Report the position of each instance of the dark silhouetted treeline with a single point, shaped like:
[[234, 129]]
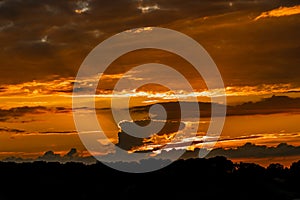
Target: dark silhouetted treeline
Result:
[[213, 178]]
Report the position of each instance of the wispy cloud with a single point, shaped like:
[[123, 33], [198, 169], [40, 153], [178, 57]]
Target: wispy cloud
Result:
[[280, 12]]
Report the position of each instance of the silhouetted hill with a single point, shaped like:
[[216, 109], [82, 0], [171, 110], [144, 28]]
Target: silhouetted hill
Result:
[[213, 178]]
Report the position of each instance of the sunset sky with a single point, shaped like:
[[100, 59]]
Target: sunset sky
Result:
[[254, 43]]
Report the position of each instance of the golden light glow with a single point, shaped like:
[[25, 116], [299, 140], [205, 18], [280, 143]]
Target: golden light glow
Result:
[[280, 12], [139, 30], [64, 86], [37, 88], [258, 90], [58, 92], [80, 11]]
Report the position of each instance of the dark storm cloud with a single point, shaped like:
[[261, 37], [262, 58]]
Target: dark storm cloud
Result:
[[42, 38]]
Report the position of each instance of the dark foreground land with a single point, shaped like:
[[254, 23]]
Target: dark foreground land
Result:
[[214, 178]]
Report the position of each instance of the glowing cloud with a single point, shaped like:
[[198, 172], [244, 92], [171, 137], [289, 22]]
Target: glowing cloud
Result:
[[82, 7], [64, 86], [263, 89], [34, 88], [139, 30], [44, 39], [148, 9], [279, 12]]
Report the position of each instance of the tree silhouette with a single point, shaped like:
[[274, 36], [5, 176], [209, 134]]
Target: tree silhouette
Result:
[[213, 178]]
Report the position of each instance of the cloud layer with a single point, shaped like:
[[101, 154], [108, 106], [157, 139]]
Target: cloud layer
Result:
[[45, 38]]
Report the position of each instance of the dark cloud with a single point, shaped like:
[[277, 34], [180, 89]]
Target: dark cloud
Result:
[[173, 110], [11, 130], [274, 104], [248, 150], [50, 156], [15, 130], [16, 112], [3, 89], [271, 105], [6, 114], [127, 141], [42, 38], [63, 132], [257, 151], [72, 153], [175, 122], [61, 110]]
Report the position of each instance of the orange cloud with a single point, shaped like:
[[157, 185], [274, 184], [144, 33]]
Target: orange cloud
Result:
[[279, 12], [35, 88], [64, 87], [264, 89]]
